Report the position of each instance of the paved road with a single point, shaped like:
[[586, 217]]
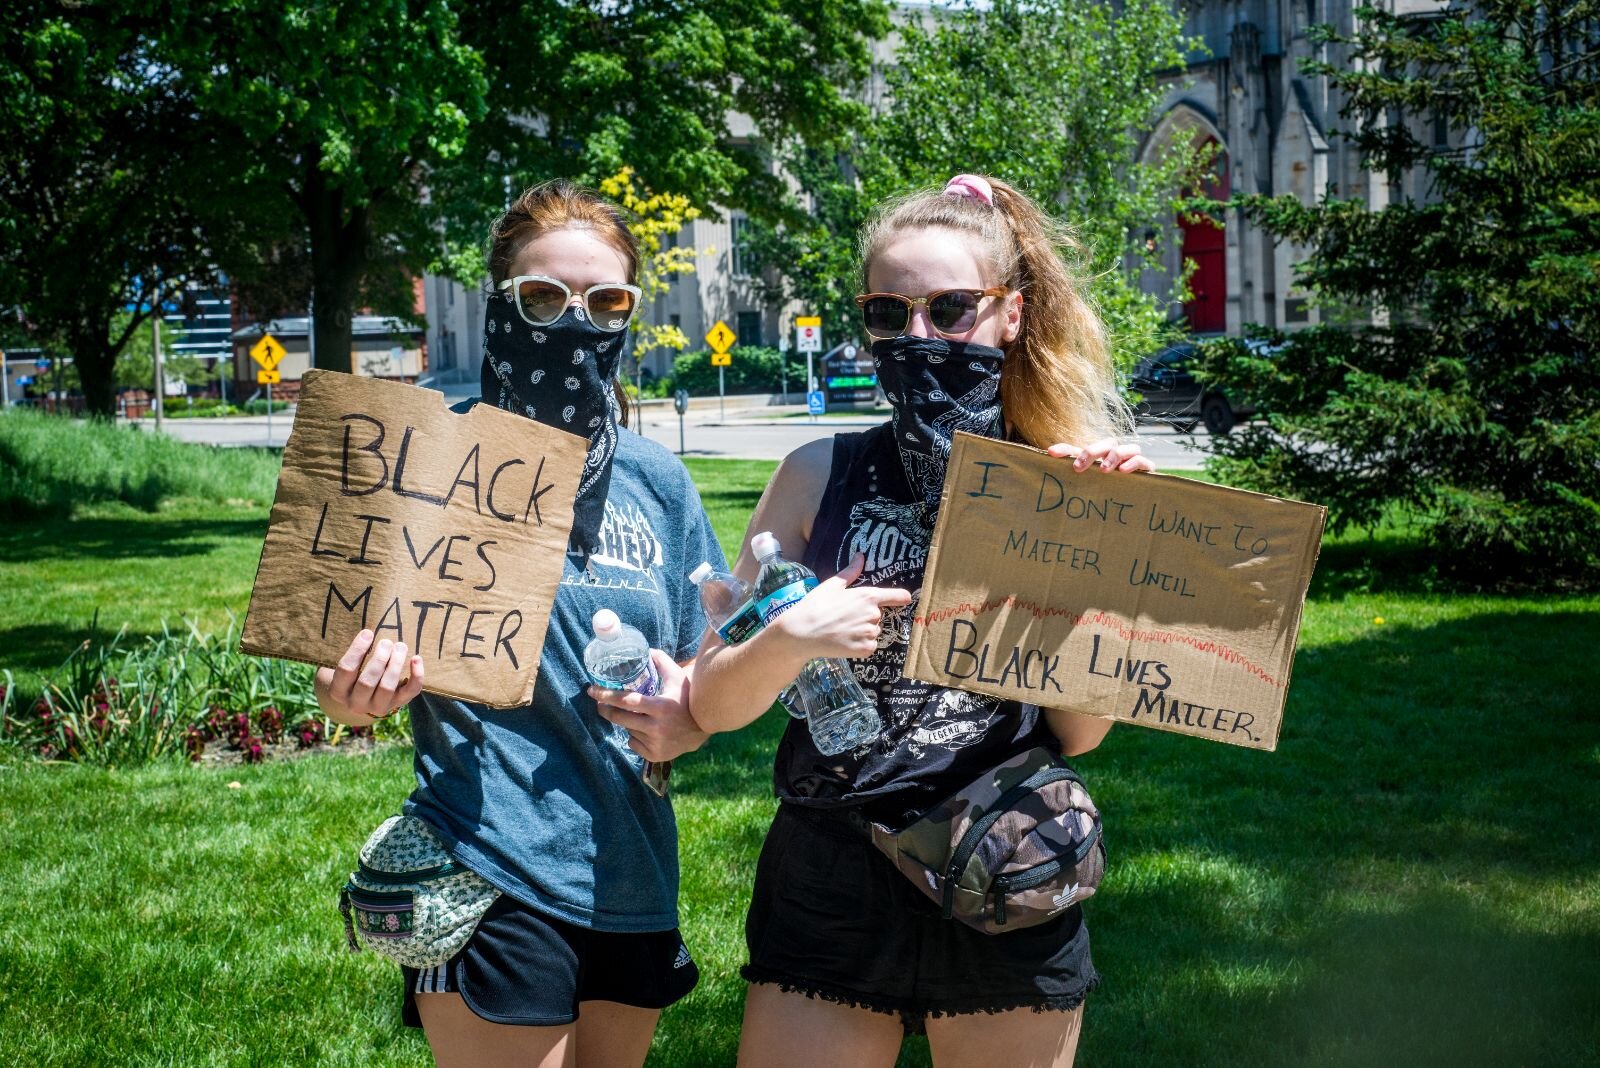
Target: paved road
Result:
[[773, 439], [761, 434]]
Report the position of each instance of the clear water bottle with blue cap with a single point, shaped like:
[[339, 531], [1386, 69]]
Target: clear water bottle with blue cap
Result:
[[732, 612], [840, 714]]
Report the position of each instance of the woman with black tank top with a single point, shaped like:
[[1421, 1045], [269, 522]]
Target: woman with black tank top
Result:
[[978, 326]]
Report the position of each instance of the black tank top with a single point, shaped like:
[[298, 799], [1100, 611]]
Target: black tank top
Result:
[[935, 740]]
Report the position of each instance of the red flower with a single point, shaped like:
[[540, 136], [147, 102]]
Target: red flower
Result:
[[269, 721]]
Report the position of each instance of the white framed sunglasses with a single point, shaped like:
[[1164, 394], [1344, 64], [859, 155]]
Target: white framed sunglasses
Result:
[[540, 300]]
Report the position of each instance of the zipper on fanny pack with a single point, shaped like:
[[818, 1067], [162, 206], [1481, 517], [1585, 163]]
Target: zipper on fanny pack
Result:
[[975, 833], [395, 878], [1001, 885]]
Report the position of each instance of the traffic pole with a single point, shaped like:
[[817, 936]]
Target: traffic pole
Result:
[[5, 382], [722, 400], [269, 415], [155, 343], [811, 383]]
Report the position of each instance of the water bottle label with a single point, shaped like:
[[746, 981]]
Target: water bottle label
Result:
[[646, 681], [783, 598], [742, 625]]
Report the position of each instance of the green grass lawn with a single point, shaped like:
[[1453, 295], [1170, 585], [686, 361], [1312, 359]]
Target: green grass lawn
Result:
[[1412, 878]]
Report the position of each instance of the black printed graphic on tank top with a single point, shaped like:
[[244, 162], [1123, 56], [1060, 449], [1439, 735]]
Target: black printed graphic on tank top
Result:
[[935, 740]]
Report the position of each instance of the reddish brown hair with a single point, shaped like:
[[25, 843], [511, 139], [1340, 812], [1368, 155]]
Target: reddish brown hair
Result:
[[561, 205]]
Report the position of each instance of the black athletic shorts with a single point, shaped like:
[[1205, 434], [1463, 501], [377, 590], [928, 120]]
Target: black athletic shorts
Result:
[[523, 967], [833, 918]]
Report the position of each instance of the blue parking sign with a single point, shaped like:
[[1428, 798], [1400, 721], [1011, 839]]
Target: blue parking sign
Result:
[[814, 402]]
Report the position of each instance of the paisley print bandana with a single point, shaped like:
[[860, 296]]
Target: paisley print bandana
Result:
[[937, 387], [560, 375]]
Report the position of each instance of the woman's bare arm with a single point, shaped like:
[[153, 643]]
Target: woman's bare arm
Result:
[[1078, 733], [732, 685]]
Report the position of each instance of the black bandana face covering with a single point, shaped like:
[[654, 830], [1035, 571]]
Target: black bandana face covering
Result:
[[937, 387], [560, 375]]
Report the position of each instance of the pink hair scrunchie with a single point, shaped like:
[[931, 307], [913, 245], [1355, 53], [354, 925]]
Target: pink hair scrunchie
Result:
[[970, 185]]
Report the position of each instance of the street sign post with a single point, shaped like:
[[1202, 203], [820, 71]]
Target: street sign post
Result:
[[160, 400], [721, 339], [268, 352], [808, 339], [808, 333], [5, 382]]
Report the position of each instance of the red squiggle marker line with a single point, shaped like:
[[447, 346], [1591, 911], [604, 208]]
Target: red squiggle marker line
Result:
[[1078, 619]]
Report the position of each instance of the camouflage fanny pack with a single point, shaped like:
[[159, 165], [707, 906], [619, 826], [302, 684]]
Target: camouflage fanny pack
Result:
[[1019, 845], [408, 899]]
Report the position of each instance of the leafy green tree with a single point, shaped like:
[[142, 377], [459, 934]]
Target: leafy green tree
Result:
[[95, 222], [136, 365], [653, 219], [807, 252], [338, 114], [333, 150], [581, 90], [1052, 95], [1460, 379]]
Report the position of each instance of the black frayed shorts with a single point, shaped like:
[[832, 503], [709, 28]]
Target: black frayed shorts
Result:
[[832, 918], [523, 967]]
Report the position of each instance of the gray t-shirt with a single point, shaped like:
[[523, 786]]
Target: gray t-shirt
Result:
[[546, 801]]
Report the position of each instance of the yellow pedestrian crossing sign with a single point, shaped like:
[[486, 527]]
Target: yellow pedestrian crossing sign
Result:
[[721, 339], [267, 352], [722, 359]]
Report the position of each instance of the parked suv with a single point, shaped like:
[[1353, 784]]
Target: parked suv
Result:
[[1169, 392]]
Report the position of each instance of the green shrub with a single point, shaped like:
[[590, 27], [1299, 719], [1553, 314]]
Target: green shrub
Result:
[[1473, 400], [192, 407], [259, 406], [51, 465], [755, 369]]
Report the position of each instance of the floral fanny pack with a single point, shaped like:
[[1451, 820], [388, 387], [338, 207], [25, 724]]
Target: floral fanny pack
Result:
[[408, 899]]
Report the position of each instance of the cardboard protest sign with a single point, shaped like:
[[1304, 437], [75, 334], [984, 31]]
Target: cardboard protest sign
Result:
[[446, 532], [1156, 600]]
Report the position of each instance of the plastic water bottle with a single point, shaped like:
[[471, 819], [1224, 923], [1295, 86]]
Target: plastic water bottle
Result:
[[839, 712], [731, 610], [619, 659]]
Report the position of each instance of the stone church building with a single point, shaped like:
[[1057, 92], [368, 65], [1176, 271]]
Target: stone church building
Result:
[[1275, 132]]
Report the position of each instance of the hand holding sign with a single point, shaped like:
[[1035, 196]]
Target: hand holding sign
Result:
[[1155, 600], [444, 533], [372, 687]]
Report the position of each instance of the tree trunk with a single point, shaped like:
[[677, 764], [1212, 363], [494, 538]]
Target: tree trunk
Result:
[[338, 259], [90, 340]]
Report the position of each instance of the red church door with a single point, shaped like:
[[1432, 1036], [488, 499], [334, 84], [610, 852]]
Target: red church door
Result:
[[1205, 242]]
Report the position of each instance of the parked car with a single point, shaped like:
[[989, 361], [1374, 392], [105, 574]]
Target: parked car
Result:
[[1169, 393]]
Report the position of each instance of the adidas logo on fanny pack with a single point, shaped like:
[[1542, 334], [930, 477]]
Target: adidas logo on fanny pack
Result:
[[1065, 898], [682, 957]]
